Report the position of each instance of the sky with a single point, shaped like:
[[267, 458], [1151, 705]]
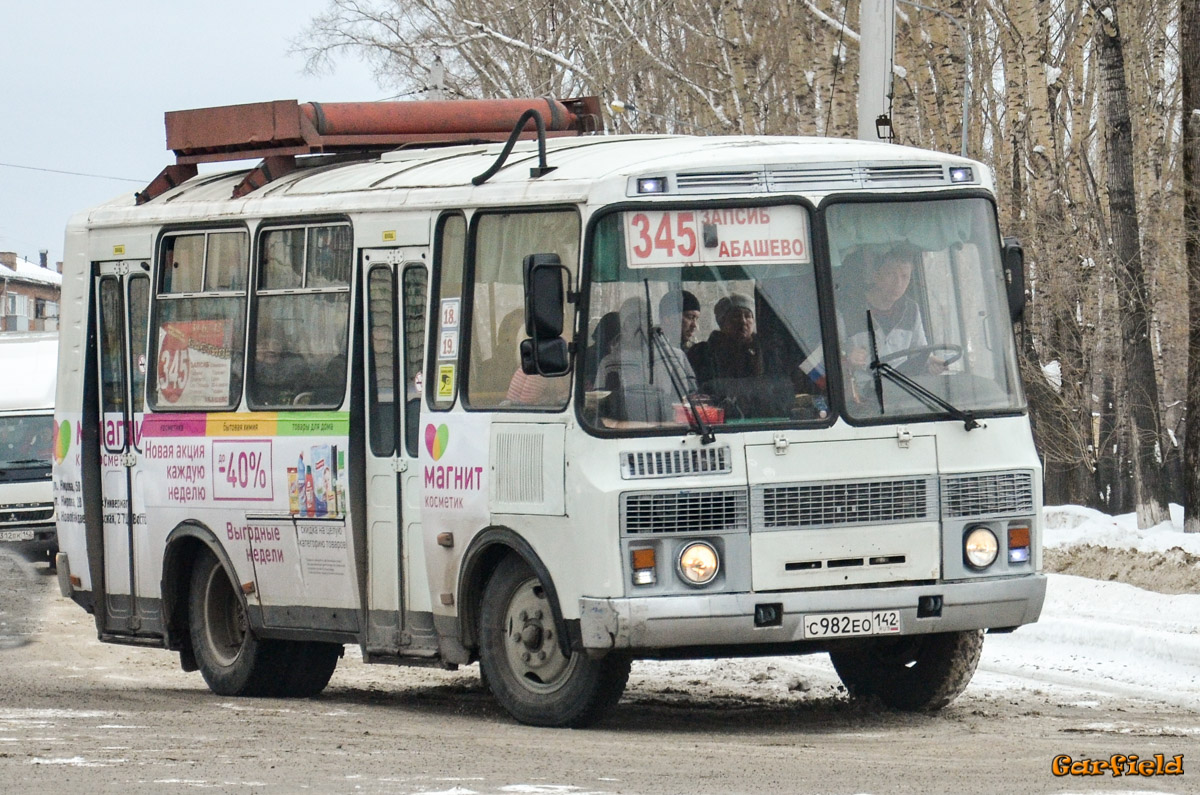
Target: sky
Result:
[[84, 85]]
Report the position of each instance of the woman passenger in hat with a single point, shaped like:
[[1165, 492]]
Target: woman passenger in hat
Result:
[[732, 351]]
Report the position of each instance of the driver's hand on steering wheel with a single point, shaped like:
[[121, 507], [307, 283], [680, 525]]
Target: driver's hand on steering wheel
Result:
[[936, 366], [858, 357]]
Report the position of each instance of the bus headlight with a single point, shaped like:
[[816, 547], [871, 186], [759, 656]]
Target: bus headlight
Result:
[[698, 563], [980, 547]]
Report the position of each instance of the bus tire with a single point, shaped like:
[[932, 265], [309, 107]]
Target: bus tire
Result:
[[232, 659], [522, 662], [310, 664], [913, 673]]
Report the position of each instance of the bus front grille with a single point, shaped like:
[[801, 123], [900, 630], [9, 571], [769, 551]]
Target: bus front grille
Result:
[[713, 460], [987, 495], [25, 514], [697, 511], [811, 505]]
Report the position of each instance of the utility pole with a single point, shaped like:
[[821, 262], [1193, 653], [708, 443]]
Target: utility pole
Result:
[[876, 54]]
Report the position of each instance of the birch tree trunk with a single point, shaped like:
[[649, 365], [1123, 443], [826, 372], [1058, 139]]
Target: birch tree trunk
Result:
[[1189, 17], [1141, 387]]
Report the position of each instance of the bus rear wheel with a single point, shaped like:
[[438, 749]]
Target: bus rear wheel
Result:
[[913, 673], [310, 664], [232, 659], [522, 661]]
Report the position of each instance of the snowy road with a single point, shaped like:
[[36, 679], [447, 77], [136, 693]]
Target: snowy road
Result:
[[1109, 670]]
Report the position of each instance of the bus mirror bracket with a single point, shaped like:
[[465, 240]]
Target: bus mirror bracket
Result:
[[545, 352], [1013, 257]]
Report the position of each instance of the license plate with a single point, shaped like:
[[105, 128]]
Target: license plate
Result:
[[848, 625], [16, 535]]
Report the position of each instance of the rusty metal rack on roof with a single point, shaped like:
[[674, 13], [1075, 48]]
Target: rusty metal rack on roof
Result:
[[281, 130]]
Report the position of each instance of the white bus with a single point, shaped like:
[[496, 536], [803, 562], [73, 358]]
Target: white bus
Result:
[[595, 399], [28, 366]]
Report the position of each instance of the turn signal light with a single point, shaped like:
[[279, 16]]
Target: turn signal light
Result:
[[644, 567], [1018, 545]]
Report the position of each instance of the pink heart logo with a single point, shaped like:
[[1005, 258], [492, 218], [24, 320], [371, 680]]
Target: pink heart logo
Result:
[[436, 439]]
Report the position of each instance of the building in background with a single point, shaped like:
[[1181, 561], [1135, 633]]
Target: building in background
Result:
[[29, 293]]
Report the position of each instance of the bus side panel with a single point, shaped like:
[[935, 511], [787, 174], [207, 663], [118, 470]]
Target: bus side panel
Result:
[[238, 475]]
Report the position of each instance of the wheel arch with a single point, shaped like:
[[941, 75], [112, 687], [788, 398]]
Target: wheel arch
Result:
[[183, 546], [480, 561]]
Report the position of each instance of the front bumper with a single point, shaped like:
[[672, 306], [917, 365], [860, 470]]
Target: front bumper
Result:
[[665, 622], [42, 546]]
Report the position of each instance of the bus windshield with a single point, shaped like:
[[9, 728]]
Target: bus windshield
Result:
[[26, 442], [703, 316], [920, 305]]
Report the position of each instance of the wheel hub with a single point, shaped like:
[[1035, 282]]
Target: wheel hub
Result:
[[532, 649]]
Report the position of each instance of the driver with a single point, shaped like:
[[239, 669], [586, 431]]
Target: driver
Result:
[[895, 316]]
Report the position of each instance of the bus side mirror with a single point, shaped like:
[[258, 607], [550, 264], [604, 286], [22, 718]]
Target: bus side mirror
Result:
[[1014, 276], [545, 352], [545, 357]]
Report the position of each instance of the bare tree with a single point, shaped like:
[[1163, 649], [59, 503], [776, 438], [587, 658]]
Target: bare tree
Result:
[[1189, 16], [1087, 167], [1141, 385]]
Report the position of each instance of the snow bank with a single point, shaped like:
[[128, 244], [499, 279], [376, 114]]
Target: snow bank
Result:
[[1073, 525]]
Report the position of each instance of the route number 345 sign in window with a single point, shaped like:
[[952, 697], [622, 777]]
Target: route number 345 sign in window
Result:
[[716, 236]]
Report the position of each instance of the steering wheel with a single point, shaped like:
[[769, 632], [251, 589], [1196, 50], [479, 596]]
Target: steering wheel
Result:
[[923, 352]]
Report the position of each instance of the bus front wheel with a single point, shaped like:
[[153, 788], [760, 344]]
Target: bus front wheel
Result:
[[232, 659], [912, 673], [522, 662]]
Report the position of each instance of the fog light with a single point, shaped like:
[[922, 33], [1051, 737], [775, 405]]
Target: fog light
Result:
[[644, 567], [698, 563], [980, 548]]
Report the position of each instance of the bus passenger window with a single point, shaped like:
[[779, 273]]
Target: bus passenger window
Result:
[[200, 321], [443, 364], [502, 240], [300, 331]]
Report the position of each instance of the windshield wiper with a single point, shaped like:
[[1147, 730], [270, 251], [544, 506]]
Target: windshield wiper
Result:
[[678, 379], [678, 382], [909, 385]]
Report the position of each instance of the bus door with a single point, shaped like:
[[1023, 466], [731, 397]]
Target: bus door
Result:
[[395, 283], [122, 298]]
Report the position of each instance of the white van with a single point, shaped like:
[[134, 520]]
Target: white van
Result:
[[28, 368]]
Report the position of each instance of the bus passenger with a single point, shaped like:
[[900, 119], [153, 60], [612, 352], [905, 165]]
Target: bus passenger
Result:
[[640, 392], [737, 369], [679, 310]]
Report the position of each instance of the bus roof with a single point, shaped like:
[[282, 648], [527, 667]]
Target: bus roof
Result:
[[29, 362], [595, 169]]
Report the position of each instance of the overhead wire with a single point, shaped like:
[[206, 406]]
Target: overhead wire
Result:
[[72, 173]]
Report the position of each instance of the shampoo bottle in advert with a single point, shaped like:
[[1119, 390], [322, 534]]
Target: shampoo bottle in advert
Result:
[[301, 500], [293, 480], [340, 486], [320, 465], [331, 495], [310, 497]]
